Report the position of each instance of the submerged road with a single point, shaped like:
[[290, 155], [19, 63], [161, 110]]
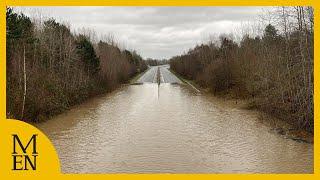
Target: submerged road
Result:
[[165, 75], [168, 128]]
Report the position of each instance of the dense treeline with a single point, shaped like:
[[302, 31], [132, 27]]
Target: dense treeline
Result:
[[49, 68], [274, 69], [156, 62]]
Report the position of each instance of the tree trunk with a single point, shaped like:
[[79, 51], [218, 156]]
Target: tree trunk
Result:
[[25, 81]]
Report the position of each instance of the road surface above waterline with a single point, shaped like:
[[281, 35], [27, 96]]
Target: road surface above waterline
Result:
[[165, 75], [169, 128]]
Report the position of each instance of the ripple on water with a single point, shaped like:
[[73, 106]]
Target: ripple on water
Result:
[[143, 129]]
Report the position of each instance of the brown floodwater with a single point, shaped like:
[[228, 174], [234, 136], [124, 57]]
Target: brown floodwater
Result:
[[170, 129]]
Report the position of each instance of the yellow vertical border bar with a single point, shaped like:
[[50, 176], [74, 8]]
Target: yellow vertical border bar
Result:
[[2, 61], [316, 75]]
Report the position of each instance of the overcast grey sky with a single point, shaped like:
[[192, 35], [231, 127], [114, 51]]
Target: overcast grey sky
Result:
[[156, 32]]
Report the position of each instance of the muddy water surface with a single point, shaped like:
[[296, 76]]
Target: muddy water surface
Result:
[[170, 129]]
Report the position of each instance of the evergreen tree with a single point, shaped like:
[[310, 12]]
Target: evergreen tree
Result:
[[87, 54]]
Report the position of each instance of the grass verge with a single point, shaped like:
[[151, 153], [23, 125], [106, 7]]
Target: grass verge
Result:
[[189, 82], [137, 76]]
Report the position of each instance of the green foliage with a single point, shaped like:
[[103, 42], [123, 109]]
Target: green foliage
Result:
[[270, 32], [62, 68], [270, 35], [87, 54], [18, 26]]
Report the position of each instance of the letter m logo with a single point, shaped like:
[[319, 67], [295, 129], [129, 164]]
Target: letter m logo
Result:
[[22, 158]]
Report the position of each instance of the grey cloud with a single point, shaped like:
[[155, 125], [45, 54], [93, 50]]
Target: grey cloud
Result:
[[157, 32]]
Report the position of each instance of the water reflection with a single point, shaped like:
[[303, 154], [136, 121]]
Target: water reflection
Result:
[[170, 129]]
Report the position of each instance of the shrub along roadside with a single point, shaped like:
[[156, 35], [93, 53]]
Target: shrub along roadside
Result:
[[50, 69], [274, 70]]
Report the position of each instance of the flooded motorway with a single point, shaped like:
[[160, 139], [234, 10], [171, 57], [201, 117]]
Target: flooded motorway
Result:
[[169, 128]]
